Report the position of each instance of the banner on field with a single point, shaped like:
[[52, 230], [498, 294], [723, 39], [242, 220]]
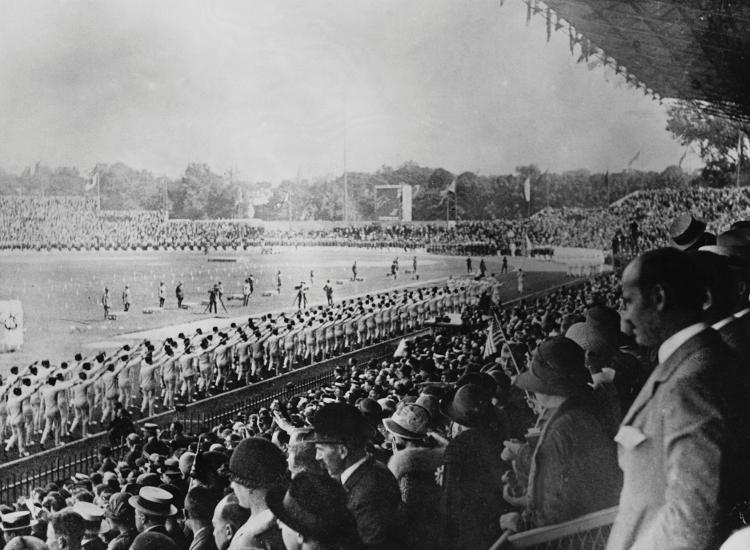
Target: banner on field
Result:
[[11, 326]]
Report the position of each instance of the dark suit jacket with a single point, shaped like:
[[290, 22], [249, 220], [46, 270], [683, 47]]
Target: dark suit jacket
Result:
[[678, 451], [374, 498], [203, 540]]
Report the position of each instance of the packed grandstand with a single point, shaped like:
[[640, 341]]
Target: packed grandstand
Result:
[[633, 224]]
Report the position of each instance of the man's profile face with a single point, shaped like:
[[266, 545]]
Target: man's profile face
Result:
[[332, 458], [222, 532], [639, 313]]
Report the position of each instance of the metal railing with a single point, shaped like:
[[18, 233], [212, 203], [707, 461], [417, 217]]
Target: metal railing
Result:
[[20, 477], [589, 532]]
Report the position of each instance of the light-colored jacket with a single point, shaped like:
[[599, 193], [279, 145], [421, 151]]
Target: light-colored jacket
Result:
[[676, 447]]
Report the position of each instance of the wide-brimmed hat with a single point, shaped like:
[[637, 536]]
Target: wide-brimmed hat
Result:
[[314, 505], [410, 421], [734, 245], [688, 232], [153, 501], [470, 405], [557, 368], [15, 521], [589, 338], [256, 462]]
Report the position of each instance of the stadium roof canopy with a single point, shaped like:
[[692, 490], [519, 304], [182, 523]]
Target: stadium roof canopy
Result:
[[694, 50]]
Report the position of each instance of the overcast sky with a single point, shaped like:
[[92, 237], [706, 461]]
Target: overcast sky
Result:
[[269, 87]]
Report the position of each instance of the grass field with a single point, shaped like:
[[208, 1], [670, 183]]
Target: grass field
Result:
[[61, 292]]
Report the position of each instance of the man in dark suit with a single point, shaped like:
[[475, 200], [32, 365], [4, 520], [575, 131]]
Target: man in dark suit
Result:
[[199, 508], [373, 496], [677, 443]]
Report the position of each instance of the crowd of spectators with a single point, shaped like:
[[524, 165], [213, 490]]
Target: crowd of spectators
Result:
[[439, 414], [633, 224], [513, 419]]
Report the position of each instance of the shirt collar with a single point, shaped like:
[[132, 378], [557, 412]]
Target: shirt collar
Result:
[[346, 474], [670, 345], [723, 322]]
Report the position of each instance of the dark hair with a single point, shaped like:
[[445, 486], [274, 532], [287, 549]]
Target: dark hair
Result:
[[677, 273], [200, 503], [68, 524]]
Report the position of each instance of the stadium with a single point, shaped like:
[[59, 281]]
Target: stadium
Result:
[[471, 350]]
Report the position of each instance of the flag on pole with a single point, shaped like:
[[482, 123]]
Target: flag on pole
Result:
[[527, 189], [682, 158], [400, 349], [635, 158], [286, 199], [489, 346], [450, 189], [93, 183]]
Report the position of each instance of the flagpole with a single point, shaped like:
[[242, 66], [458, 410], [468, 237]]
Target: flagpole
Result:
[[98, 192], [289, 210], [739, 155], [455, 202]]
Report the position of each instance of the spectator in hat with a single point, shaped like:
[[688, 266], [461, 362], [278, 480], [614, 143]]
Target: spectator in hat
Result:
[[313, 514], [574, 465], [414, 464], [199, 508], [65, 530], [256, 467], [16, 524], [341, 438], [472, 491], [677, 443], [121, 517], [152, 508], [172, 475], [92, 523], [207, 470], [689, 233], [227, 519]]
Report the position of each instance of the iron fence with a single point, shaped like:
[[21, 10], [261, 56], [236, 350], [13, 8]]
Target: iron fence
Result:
[[19, 477]]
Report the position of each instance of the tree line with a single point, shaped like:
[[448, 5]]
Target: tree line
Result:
[[201, 193]]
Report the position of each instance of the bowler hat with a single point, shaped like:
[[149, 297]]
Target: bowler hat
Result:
[[557, 368], [314, 506], [153, 501], [257, 463], [340, 423], [410, 421], [469, 406]]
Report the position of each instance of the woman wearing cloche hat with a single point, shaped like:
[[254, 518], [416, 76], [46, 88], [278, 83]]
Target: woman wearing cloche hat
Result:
[[574, 465], [415, 460]]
